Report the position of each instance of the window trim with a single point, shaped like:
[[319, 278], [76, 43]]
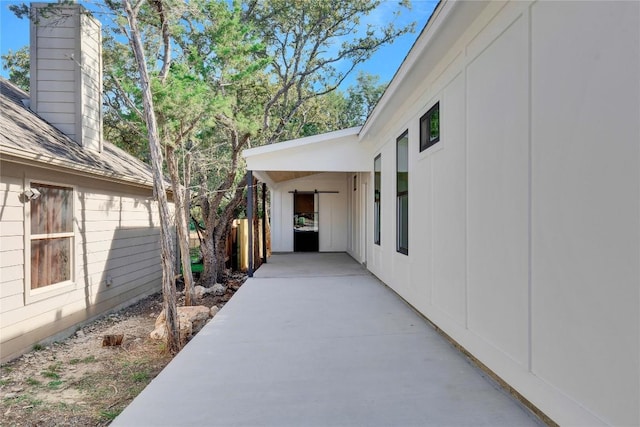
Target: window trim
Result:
[[426, 143], [377, 207], [42, 293], [401, 194]]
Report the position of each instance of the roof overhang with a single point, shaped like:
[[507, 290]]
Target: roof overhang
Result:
[[338, 151], [446, 24]]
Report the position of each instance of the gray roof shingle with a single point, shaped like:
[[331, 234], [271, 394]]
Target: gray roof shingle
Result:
[[25, 135]]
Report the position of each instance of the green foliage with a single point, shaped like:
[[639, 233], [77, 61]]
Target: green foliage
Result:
[[17, 63], [54, 385], [315, 46], [110, 414], [140, 376], [362, 98], [32, 381], [49, 374]]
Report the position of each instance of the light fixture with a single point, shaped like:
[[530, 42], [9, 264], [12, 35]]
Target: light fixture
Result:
[[31, 194]]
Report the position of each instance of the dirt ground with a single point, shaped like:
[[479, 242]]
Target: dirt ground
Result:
[[78, 382]]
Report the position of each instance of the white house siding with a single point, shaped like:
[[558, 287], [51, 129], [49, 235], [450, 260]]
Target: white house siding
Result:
[[116, 257], [524, 238], [333, 212], [357, 225]]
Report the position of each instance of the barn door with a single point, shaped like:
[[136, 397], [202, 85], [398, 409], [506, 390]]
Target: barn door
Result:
[[305, 222]]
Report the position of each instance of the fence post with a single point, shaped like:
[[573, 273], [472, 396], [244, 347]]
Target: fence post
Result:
[[264, 222], [250, 220]]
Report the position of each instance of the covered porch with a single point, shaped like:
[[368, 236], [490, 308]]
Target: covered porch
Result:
[[318, 188], [315, 340]]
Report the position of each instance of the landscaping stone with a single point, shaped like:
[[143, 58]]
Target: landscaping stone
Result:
[[214, 310], [218, 289], [190, 320]]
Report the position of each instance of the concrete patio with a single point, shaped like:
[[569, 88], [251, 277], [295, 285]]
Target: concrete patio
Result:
[[316, 340]]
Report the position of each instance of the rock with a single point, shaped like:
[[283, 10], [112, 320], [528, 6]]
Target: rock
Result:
[[80, 334], [200, 291], [159, 333], [190, 320], [218, 289], [214, 310]]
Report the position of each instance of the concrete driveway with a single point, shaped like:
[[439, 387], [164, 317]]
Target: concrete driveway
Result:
[[316, 340]]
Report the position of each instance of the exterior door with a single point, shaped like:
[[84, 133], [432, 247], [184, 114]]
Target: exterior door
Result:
[[305, 222]]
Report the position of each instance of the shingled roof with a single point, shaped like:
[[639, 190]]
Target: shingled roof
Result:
[[25, 136]]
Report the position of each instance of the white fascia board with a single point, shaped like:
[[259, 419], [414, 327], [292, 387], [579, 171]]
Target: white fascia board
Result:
[[419, 48], [314, 139], [338, 151]]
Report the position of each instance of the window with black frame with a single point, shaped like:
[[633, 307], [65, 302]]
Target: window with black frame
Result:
[[402, 193], [377, 183], [430, 127]]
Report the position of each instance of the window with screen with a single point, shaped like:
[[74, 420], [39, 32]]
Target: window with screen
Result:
[[51, 217]]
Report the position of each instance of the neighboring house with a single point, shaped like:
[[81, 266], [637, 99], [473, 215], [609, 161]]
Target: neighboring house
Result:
[[79, 230], [496, 188]]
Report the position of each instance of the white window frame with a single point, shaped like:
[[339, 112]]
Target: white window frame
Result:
[[39, 294]]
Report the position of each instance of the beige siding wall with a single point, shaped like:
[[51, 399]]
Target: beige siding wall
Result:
[[116, 257], [66, 73]]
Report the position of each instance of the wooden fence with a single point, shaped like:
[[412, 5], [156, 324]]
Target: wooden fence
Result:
[[237, 244]]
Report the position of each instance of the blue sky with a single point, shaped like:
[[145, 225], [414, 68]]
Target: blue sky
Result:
[[14, 33]]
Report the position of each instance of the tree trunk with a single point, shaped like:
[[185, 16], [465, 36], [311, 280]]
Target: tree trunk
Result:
[[182, 224], [208, 250], [166, 244]]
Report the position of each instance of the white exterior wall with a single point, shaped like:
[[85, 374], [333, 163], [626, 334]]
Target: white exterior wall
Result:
[[333, 212], [357, 224], [524, 220], [116, 257]]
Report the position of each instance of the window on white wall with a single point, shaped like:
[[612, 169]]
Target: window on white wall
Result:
[[51, 218], [377, 180], [402, 193], [430, 127]]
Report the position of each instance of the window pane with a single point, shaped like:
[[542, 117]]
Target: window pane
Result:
[[50, 261], [52, 211], [434, 125], [430, 127], [402, 194], [402, 150], [403, 223]]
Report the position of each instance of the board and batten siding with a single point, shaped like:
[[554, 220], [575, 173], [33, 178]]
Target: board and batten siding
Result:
[[116, 257], [524, 231]]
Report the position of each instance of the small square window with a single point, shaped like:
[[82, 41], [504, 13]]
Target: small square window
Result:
[[430, 127]]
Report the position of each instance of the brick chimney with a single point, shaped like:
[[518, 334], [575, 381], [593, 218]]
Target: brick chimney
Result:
[[66, 71]]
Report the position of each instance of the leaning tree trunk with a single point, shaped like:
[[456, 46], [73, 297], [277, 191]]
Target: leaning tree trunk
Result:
[[166, 244], [182, 224]]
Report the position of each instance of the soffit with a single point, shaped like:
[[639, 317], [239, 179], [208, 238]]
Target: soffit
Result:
[[281, 176]]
